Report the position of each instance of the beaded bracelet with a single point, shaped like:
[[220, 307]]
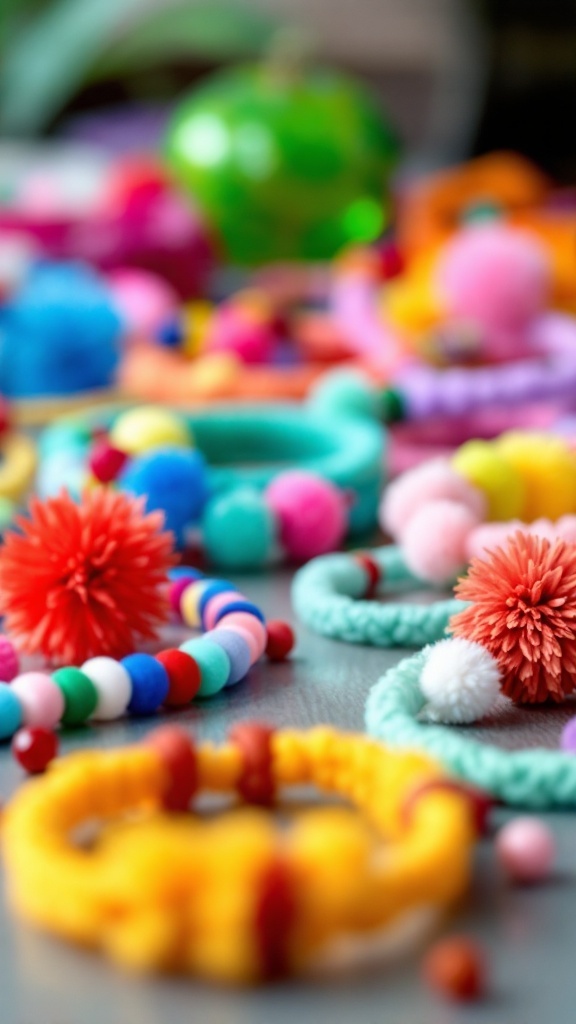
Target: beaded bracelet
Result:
[[233, 899], [245, 512], [329, 596], [103, 688]]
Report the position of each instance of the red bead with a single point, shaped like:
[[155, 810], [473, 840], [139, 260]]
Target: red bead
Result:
[[5, 417], [256, 783], [373, 572], [183, 677], [280, 640], [34, 748], [481, 803], [455, 967], [392, 262], [105, 461], [274, 918], [178, 754]]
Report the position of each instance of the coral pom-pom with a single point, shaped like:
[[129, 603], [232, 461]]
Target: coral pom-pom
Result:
[[460, 681], [433, 481], [84, 579], [435, 541]]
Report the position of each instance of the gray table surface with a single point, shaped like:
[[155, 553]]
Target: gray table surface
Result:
[[529, 933]]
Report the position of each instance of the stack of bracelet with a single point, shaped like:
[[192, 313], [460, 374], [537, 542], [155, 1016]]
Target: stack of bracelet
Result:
[[234, 637]]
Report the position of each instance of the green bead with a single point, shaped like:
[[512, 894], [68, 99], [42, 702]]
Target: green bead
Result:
[[213, 662], [80, 695], [346, 392], [284, 165], [392, 407], [238, 529]]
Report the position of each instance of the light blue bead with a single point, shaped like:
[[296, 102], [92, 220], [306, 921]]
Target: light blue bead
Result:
[[11, 716], [213, 662], [237, 650], [62, 469], [239, 530]]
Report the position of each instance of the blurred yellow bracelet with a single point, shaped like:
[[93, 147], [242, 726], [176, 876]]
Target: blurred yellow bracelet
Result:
[[17, 465], [233, 897]]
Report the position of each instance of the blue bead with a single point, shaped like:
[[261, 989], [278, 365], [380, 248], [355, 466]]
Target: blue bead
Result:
[[150, 683], [214, 587], [11, 715], [240, 606], [173, 480], [237, 650], [186, 572], [170, 334]]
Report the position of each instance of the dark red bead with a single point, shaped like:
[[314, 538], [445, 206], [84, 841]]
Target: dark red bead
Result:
[[256, 784], [34, 748], [455, 967], [105, 461], [280, 639], [373, 572], [183, 677], [274, 917], [178, 754]]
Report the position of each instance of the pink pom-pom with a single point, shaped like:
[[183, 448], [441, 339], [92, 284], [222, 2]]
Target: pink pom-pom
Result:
[[432, 481], [566, 528], [435, 541], [8, 660], [488, 536], [246, 329], [144, 300], [495, 275], [312, 513]]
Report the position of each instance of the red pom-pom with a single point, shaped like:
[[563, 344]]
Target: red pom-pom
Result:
[[280, 640], [106, 461], [178, 755], [455, 968], [34, 749], [183, 676], [83, 579]]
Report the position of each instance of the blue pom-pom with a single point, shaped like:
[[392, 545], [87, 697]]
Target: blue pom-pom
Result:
[[173, 480], [150, 683], [59, 334]]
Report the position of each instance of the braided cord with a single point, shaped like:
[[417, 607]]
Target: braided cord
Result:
[[534, 779], [326, 597]]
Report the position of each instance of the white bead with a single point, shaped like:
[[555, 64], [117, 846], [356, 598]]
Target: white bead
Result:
[[113, 685], [460, 680]]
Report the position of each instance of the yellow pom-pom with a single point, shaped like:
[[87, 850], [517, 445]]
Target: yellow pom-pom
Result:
[[149, 426], [197, 318], [548, 469], [484, 466]]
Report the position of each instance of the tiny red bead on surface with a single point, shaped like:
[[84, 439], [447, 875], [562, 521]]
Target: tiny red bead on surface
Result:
[[274, 916], [178, 754], [34, 748], [256, 783], [280, 639], [105, 461], [481, 803], [373, 572], [455, 968], [183, 677]]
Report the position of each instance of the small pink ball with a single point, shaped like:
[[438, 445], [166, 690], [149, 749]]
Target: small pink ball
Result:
[[431, 481], [237, 329], [216, 603], [250, 624], [8, 660], [312, 513], [435, 541], [495, 275], [41, 699], [144, 300], [526, 849]]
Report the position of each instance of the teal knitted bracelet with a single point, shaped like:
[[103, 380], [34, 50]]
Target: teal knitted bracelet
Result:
[[535, 779], [220, 484], [329, 596]]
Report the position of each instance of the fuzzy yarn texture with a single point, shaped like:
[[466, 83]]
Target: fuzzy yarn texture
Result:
[[87, 578], [435, 480], [460, 680], [523, 611], [435, 542]]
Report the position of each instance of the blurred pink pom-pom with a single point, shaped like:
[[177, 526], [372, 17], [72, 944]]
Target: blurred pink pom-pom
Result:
[[435, 541], [431, 481], [312, 513]]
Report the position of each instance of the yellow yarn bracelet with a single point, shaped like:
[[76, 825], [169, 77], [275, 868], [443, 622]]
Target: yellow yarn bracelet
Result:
[[232, 897], [17, 465]]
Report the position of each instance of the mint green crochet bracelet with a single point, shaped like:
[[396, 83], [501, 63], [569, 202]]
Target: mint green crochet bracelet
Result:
[[535, 779], [329, 597]]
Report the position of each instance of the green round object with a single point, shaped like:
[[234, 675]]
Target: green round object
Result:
[[392, 406], [80, 695], [285, 166], [239, 529]]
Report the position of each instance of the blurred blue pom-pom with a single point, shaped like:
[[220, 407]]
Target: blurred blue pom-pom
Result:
[[173, 480]]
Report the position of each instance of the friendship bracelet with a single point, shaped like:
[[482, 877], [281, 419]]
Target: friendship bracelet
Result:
[[231, 898], [300, 482], [329, 597]]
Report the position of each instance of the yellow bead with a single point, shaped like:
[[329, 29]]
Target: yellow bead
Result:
[[484, 466], [149, 426], [216, 374], [190, 603], [197, 317], [548, 469]]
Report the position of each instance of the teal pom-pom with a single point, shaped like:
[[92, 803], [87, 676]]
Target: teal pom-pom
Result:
[[346, 392], [239, 529]]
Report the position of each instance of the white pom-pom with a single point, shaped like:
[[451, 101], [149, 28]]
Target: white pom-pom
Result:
[[460, 681]]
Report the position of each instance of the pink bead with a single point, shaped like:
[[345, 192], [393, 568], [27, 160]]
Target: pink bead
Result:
[[41, 699], [105, 461], [312, 513], [8, 660], [435, 542], [251, 625], [247, 333], [144, 300], [177, 588], [216, 603], [526, 849], [433, 480]]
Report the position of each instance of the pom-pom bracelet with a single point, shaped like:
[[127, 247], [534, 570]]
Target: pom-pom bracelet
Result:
[[105, 688], [231, 898]]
